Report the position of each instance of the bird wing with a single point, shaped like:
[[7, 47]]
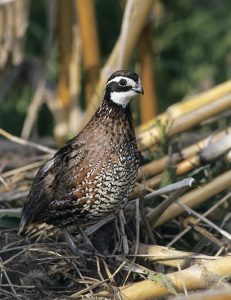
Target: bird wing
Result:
[[49, 182]]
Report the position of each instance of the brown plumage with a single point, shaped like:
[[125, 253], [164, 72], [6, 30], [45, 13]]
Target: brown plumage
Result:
[[92, 175]]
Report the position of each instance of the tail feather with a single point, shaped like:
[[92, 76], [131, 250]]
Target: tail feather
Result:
[[24, 222]]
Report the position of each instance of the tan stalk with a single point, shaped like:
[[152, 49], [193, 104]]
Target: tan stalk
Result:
[[156, 166], [90, 45], [148, 103], [153, 134], [64, 48], [213, 294], [7, 34], [138, 18], [66, 111], [19, 29], [195, 197], [188, 105], [208, 153], [200, 114], [168, 256], [202, 275], [75, 81]]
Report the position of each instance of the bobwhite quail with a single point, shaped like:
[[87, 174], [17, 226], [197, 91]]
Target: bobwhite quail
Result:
[[92, 175]]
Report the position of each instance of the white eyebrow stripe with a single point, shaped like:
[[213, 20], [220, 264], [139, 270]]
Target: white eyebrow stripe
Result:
[[118, 78]]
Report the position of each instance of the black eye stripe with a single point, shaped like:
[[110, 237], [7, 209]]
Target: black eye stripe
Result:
[[123, 82]]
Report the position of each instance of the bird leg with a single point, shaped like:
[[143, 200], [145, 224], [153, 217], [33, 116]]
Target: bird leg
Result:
[[88, 242], [122, 222], [71, 243]]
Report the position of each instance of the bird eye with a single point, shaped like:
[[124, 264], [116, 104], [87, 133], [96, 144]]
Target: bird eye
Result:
[[122, 82]]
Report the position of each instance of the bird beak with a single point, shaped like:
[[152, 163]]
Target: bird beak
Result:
[[138, 88]]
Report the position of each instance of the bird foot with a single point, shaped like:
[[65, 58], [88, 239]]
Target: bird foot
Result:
[[72, 245], [90, 248]]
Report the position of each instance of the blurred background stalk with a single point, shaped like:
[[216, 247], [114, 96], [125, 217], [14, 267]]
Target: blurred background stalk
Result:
[[149, 102], [90, 46]]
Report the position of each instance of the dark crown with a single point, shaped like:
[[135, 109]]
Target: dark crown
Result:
[[124, 73]]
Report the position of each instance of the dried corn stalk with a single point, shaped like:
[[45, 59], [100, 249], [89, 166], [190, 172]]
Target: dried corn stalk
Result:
[[13, 25]]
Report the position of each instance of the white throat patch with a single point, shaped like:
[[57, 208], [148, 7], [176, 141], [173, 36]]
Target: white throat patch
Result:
[[122, 98]]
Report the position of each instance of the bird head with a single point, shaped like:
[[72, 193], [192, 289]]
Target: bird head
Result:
[[122, 86]]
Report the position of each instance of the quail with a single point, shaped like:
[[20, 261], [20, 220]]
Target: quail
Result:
[[91, 175]]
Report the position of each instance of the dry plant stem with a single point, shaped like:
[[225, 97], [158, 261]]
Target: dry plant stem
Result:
[[136, 22], [213, 294], [208, 235], [23, 169], [124, 32], [10, 196], [8, 280], [4, 2], [189, 105], [211, 224], [204, 112], [75, 81], [149, 103], [21, 9], [197, 147], [152, 135], [21, 141], [156, 166], [184, 183], [216, 149], [181, 168], [38, 96], [90, 45], [70, 57], [11, 211], [82, 292], [228, 156], [32, 112], [169, 256], [196, 197], [153, 167], [209, 153], [203, 98], [65, 40], [149, 184], [199, 276], [187, 229], [158, 211], [13, 23]]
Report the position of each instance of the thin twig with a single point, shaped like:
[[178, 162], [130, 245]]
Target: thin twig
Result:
[[158, 211], [8, 279], [23, 169], [215, 206], [186, 182], [24, 142], [204, 219], [10, 196]]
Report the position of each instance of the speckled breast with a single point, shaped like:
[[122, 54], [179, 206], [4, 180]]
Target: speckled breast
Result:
[[114, 183], [103, 190]]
